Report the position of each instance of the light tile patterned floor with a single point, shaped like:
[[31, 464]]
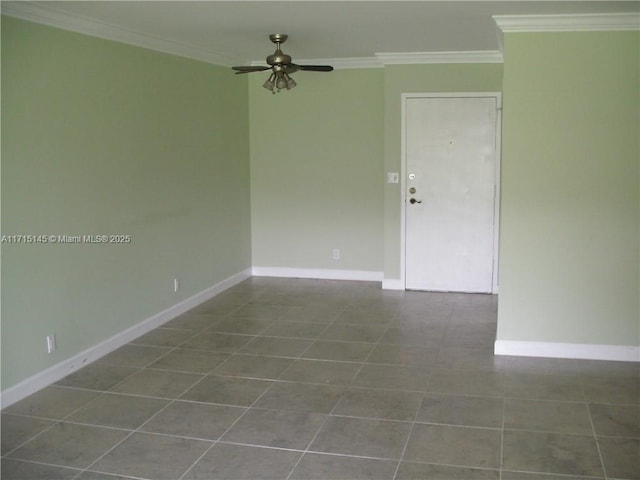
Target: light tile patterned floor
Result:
[[306, 379]]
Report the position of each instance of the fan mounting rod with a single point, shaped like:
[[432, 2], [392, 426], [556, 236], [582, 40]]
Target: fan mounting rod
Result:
[[278, 58]]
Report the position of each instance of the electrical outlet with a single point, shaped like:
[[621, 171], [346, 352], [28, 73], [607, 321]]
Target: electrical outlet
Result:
[[176, 285], [51, 343], [335, 254]]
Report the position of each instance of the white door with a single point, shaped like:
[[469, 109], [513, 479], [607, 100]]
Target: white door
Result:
[[451, 164]]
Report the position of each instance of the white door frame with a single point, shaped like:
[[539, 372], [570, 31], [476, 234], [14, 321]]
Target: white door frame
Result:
[[403, 176]]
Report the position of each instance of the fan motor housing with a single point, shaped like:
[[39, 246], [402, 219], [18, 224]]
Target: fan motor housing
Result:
[[278, 58]]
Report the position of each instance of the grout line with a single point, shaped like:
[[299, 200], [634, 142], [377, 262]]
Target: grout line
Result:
[[504, 410], [37, 462], [336, 315], [109, 450], [593, 428], [552, 432], [195, 462], [597, 440], [406, 443], [555, 476], [375, 345], [33, 437], [107, 474], [328, 416]]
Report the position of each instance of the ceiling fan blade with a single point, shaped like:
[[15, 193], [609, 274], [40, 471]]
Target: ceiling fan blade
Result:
[[250, 69], [315, 68]]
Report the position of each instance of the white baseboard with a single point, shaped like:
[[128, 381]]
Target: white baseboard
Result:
[[70, 365], [621, 353], [318, 273], [392, 284]]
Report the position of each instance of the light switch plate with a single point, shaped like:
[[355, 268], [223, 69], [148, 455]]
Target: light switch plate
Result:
[[393, 177]]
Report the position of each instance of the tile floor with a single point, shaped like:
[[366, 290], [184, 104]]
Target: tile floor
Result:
[[304, 379]]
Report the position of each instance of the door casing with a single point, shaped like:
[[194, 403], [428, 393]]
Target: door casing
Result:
[[403, 175]]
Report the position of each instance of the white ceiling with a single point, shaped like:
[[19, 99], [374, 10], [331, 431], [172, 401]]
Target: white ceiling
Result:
[[236, 32]]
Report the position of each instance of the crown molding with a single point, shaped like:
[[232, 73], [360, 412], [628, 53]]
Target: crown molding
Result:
[[46, 15], [480, 56], [407, 58], [568, 23], [345, 63]]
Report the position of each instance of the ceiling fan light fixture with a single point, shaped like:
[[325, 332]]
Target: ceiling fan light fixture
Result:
[[289, 82], [281, 81], [270, 83]]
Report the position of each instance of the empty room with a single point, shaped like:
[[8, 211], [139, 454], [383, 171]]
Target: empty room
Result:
[[331, 240]]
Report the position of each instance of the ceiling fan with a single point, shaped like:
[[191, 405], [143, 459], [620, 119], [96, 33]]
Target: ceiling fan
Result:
[[281, 67]]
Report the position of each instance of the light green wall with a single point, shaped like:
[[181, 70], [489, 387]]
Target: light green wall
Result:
[[570, 204], [103, 138], [317, 171], [399, 79]]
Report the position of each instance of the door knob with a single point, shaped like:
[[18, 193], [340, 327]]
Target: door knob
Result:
[[413, 200]]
